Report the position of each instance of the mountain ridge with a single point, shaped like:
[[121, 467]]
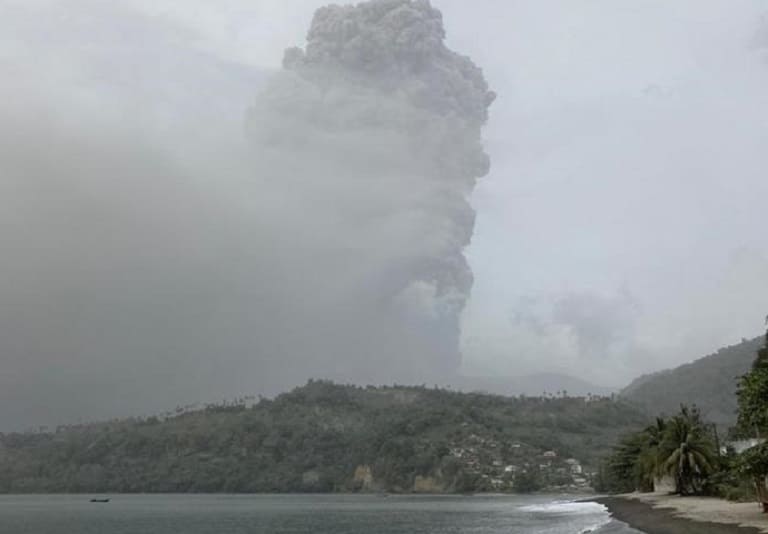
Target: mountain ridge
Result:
[[326, 437], [535, 384], [709, 382]]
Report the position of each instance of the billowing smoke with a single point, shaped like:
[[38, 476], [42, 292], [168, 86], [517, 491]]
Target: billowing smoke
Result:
[[155, 255], [372, 140]]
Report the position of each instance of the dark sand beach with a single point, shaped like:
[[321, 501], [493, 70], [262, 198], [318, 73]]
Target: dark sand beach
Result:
[[643, 516]]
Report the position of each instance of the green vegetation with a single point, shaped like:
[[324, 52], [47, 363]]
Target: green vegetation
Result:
[[753, 421], [753, 395], [686, 449], [681, 447], [709, 383], [325, 437], [686, 452]]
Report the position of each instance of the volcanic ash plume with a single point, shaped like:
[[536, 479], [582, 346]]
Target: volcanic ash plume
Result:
[[372, 138]]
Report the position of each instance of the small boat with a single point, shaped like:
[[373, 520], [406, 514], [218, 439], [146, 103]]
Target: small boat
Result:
[[99, 500]]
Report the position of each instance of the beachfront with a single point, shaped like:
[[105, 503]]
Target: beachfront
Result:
[[660, 513]]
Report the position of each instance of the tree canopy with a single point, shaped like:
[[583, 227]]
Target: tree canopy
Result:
[[681, 447], [321, 437], [753, 396]]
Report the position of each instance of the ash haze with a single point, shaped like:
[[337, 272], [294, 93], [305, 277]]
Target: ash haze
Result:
[[189, 213]]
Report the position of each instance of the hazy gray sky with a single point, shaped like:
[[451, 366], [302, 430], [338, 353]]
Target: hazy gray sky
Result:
[[620, 229]]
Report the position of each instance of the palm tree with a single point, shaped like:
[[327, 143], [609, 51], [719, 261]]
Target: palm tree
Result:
[[686, 452], [635, 460], [648, 463]]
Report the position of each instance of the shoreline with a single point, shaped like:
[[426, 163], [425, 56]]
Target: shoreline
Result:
[[657, 514]]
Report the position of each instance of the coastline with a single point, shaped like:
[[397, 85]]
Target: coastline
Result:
[[664, 514]]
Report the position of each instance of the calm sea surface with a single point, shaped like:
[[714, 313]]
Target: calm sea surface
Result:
[[315, 514]]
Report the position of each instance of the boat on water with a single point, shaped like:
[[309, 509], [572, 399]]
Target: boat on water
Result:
[[99, 500]]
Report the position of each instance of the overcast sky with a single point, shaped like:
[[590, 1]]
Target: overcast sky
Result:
[[621, 229]]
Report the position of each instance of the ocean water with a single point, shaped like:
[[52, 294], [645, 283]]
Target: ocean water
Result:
[[303, 514]]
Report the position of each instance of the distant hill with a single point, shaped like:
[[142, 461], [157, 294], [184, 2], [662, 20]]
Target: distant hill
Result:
[[325, 437], [709, 382]]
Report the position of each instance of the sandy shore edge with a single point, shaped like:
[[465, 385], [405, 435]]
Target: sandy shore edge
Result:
[[663, 514]]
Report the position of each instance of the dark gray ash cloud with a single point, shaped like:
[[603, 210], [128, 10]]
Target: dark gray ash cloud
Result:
[[372, 137], [163, 248]]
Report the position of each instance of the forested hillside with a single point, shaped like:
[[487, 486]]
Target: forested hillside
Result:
[[328, 437], [709, 383]]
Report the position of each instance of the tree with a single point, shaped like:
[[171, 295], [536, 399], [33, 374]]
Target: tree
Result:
[[649, 466], [686, 452], [753, 395], [753, 420], [624, 467], [634, 464]]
